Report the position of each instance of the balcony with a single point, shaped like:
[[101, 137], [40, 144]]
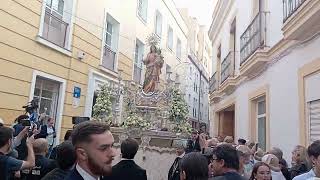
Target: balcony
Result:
[[108, 58], [290, 7], [55, 29], [227, 67], [228, 81], [253, 49], [214, 88], [300, 19], [213, 83]]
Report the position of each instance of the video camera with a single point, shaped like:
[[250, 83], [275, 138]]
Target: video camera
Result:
[[31, 106], [32, 126], [25, 122]]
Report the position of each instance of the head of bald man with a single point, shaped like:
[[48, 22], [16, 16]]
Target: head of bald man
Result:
[[40, 146]]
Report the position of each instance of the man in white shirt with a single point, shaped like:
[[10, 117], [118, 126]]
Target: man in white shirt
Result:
[[314, 156], [93, 143]]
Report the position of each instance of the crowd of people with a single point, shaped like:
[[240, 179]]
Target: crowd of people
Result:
[[87, 154], [214, 159]]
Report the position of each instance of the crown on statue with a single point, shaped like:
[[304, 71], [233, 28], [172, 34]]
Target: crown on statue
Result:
[[153, 40]]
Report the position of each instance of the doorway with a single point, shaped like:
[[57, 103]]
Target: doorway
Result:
[[226, 122]]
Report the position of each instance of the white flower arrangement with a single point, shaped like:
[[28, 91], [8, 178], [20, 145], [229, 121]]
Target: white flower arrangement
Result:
[[179, 113], [135, 121], [102, 110], [184, 127]]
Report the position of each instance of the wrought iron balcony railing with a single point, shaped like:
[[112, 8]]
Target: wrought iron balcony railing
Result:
[[54, 29], [254, 37], [227, 67], [108, 58], [290, 7], [213, 82]]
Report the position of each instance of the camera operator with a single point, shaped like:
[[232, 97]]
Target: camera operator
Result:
[[31, 109], [23, 128], [9, 165]]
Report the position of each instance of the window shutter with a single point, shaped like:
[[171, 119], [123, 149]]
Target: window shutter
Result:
[[314, 127]]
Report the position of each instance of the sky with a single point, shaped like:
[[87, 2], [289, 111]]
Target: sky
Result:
[[201, 9]]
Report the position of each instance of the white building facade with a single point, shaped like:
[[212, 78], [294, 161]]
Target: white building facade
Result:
[[196, 82], [266, 62]]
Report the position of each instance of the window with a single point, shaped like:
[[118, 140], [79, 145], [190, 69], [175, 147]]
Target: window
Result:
[[178, 49], [110, 46], [314, 120], [47, 92], [109, 34], [170, 38], [56, 23], [138, 59], [143, 9], [56, 5], [158, 25], [261, 121]]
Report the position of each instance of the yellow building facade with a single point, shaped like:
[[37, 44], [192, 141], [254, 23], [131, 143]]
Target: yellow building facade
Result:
[[60, 52]]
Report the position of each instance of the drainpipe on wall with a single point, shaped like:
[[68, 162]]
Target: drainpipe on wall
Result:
[[200, 71]]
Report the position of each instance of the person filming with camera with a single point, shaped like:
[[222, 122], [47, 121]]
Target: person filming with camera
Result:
[[9, 165]]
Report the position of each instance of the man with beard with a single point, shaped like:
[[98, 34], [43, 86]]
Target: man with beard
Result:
[[93, 144]]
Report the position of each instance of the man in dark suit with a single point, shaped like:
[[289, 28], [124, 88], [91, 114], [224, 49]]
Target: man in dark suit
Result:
[[174, 171], [127, 169], [93, 143]]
